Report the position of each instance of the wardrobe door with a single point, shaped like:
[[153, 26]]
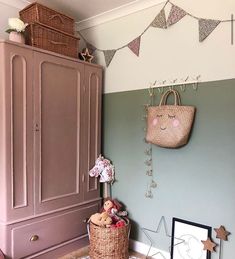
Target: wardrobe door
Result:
[[17, 142], [58, 95], [91, 128]]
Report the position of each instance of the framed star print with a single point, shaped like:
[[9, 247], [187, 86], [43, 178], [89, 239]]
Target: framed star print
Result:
[[195, 240]]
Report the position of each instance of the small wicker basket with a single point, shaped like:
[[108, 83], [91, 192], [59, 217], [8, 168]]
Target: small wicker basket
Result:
[[109, 243]]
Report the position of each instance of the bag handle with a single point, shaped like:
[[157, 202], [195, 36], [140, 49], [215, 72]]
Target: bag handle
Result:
[[166, 95]]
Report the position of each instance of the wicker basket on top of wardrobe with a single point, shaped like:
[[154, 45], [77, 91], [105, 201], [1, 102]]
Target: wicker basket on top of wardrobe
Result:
[[39, 13], [45, 37]]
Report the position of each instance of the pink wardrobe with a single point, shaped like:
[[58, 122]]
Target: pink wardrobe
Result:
[[50, 112]]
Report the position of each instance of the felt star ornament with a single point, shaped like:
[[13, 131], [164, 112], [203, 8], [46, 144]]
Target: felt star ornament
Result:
[[209, 245], [221, 233], [86, 56]]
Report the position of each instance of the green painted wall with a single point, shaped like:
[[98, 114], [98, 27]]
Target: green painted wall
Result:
[[196, 182]]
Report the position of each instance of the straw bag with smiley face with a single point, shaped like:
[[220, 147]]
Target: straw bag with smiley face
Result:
[[169, 125]]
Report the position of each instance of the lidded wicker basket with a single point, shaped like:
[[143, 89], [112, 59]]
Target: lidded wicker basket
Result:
[[36, 12], [109, 243], [44, 37]]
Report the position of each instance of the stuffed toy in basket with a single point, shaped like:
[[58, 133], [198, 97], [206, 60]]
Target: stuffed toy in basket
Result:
[[109, 232]]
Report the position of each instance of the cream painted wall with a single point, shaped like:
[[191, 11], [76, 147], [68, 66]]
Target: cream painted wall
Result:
[[166, 54], [6, 11]]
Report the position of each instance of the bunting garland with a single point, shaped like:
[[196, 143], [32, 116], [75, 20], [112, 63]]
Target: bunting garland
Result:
[[134, 46], [108, 55], [205, 27], [160, 20], [176, 14]]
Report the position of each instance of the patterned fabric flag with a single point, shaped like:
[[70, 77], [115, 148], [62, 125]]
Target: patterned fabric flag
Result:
[[91, 48], [108, 55], [134, 46], [160, 20], [206, 27], [175, 15]]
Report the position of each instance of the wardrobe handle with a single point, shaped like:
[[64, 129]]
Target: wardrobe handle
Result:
[[34, 238], [37, 127]]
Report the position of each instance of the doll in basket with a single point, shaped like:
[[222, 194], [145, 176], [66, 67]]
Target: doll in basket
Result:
[[111, 215], [113, 208]]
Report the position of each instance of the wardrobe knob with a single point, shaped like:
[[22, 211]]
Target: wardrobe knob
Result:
[[34, 238]]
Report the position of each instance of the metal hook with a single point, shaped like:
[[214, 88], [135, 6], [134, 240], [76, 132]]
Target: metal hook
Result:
[[186, 79], [174, 81], [195, 86], [183, 87], [160, 90], [151, 90]]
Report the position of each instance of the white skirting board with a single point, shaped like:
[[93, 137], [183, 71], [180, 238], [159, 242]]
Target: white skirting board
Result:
[[143, 249]]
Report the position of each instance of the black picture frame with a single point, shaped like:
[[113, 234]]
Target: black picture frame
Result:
[[186, 240]]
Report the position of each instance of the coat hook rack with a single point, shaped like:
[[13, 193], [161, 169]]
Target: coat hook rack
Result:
[[175, 82]]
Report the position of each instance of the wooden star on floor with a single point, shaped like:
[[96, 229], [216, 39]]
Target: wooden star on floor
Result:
[[209, 245], [86, 56], [221, 233]]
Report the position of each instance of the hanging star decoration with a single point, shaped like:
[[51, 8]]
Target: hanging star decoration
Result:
[[209, 245], [222, 233], [148, 151], [157, 231], [86, 56]]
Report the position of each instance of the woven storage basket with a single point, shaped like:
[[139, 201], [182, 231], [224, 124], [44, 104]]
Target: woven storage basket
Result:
[[109, 243], [44, 37], [39, 13]]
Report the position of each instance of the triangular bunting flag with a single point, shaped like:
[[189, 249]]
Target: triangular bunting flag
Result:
[[90, 47], [206, 27], [134, 46], [175, 15], [108, 55], [160, 20]]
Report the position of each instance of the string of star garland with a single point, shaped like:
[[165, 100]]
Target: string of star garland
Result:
[[205, 27], [148, 151]]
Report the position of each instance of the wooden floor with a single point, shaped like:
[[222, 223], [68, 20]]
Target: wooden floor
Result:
[[83, 252]]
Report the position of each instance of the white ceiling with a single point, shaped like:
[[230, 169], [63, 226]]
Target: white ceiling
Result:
[[84, 9]]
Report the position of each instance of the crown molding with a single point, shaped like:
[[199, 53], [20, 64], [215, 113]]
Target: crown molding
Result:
[[18, 4], [116, 13]]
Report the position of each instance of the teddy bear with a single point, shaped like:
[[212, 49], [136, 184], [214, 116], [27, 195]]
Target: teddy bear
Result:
[[101, 219]]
